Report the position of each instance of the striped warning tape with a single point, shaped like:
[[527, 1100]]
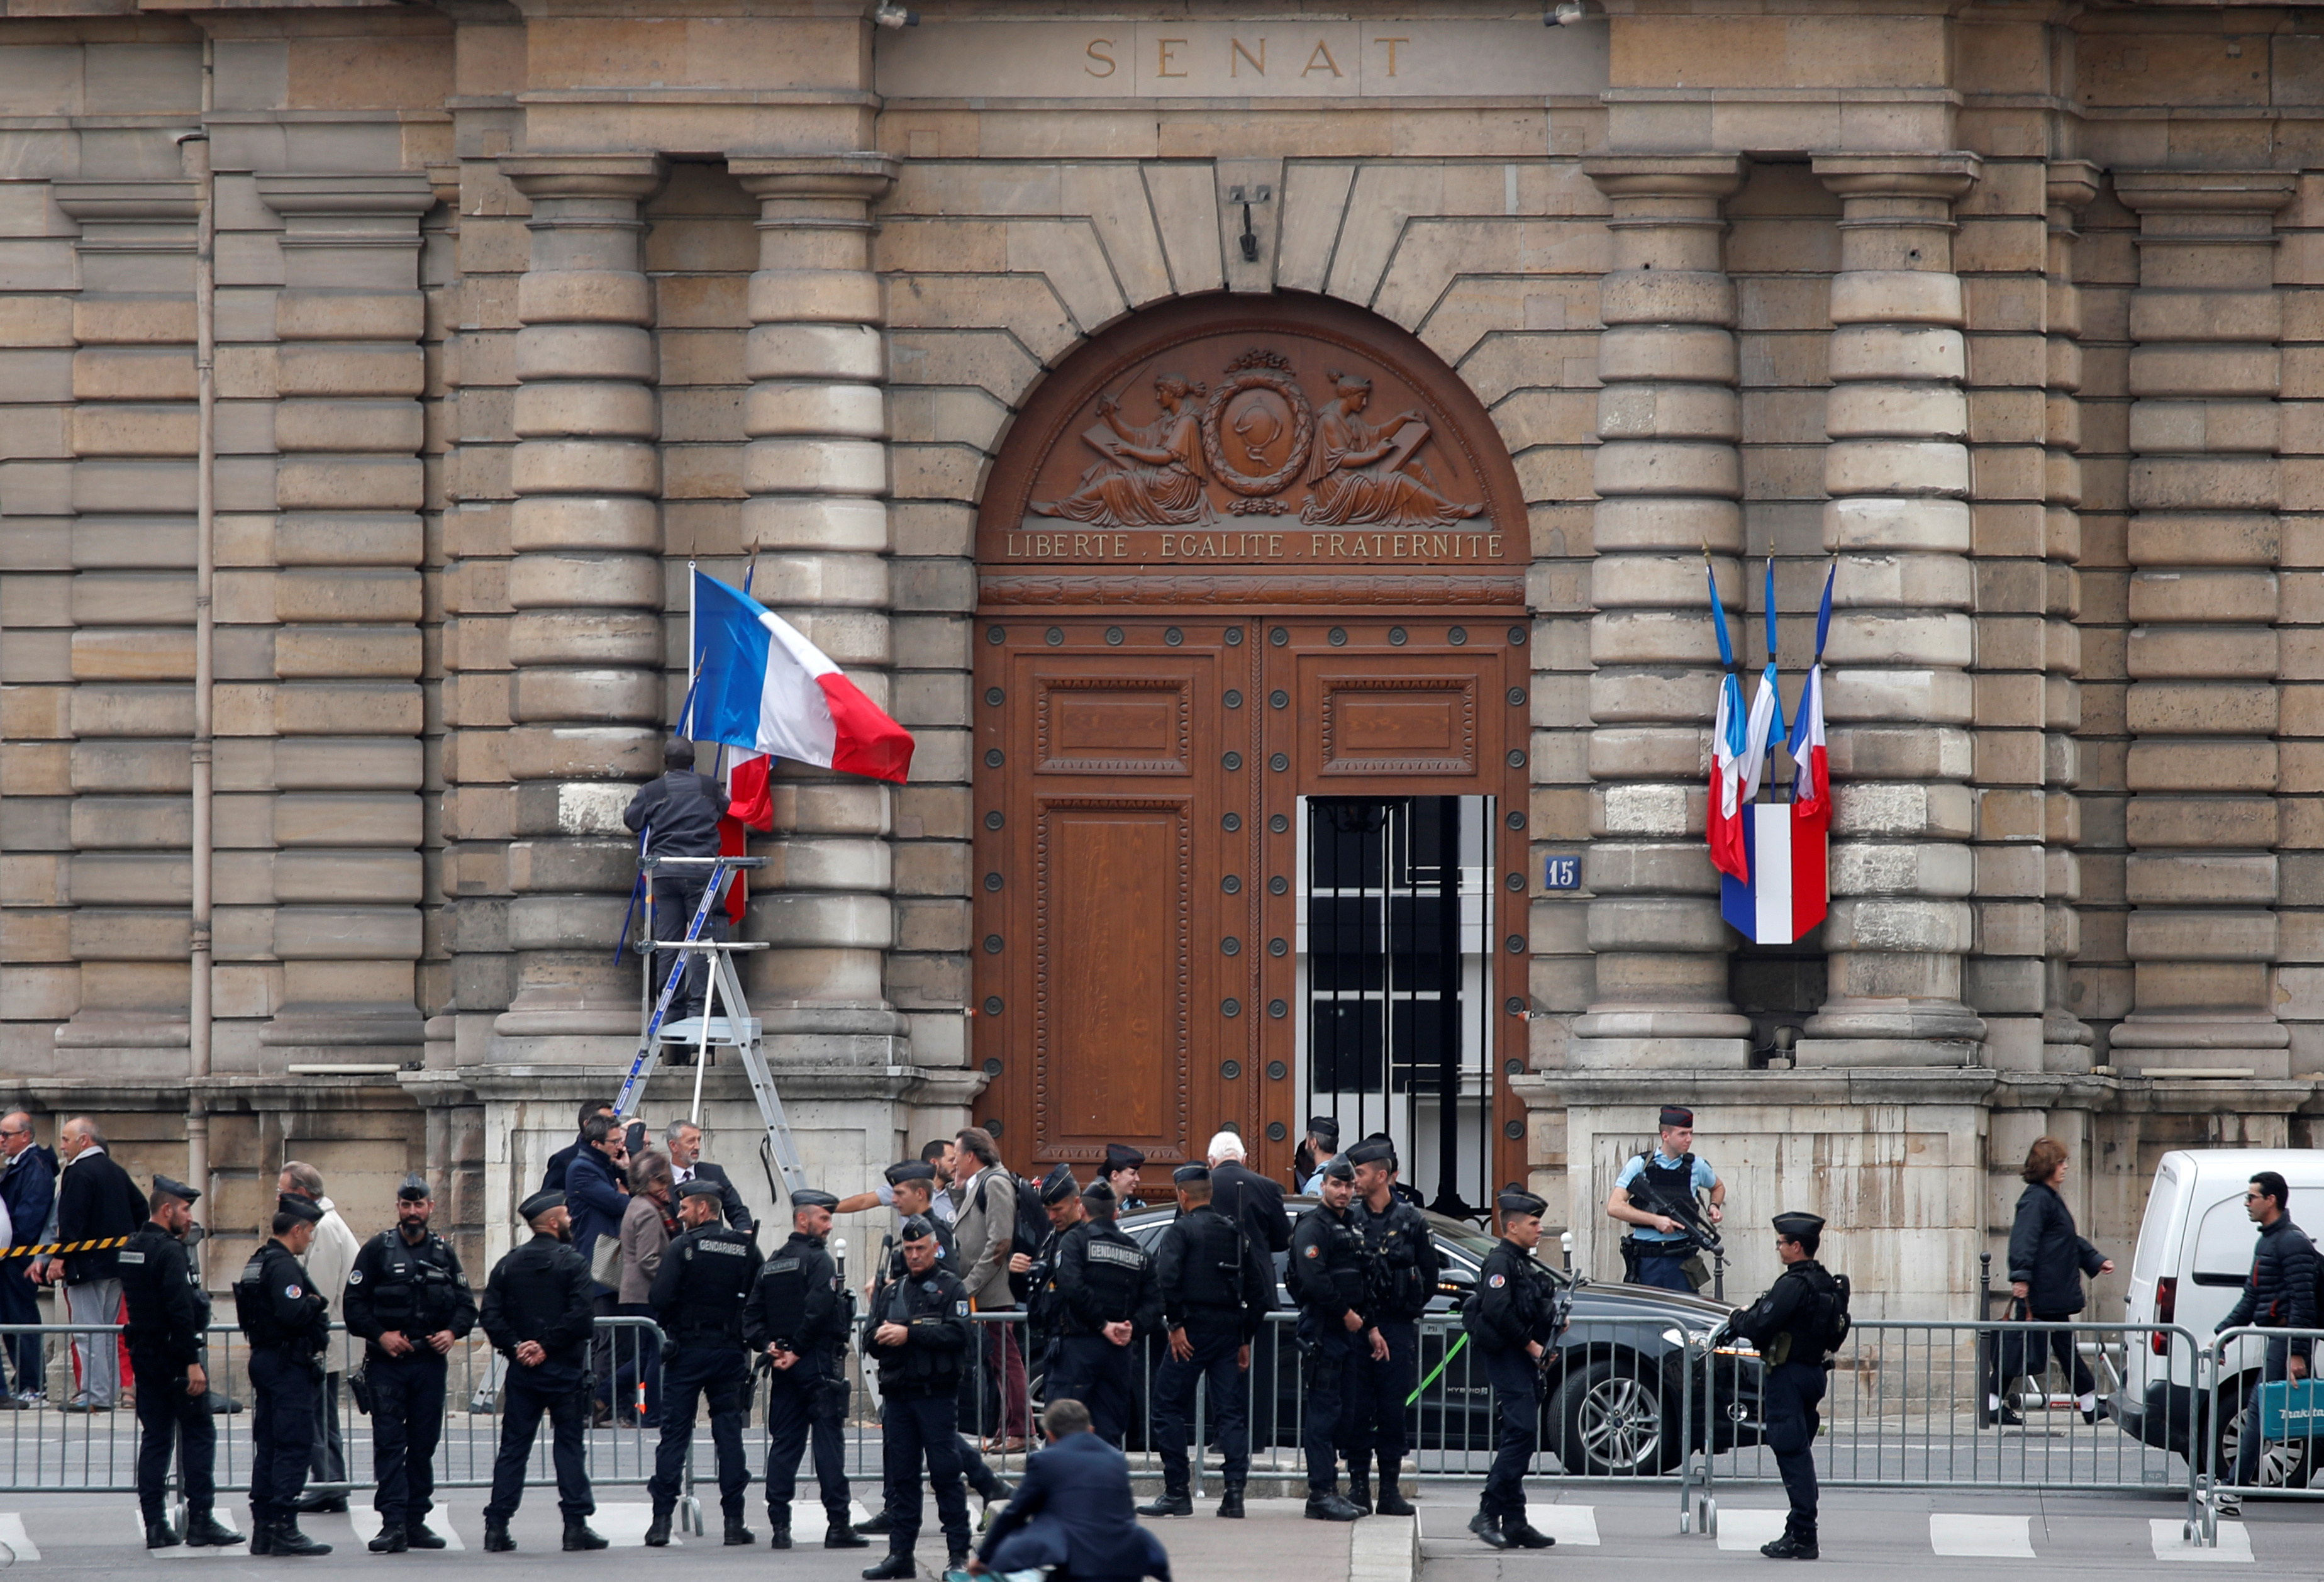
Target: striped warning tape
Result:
[[97, 1246]]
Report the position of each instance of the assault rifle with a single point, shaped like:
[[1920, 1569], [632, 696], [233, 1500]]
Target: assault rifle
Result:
[[1649, 1198]]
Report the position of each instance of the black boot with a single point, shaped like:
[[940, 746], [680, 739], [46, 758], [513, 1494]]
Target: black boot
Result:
[[497, 1540], [159, 1534], [657, 1530], [778, 1535], [896, 1567], [1488, 1528], [420, 1535], [1790, 1547], [287, 1540], [1392, 1501], [737, 1535], [262, 1532], [1523, 1534], [838, 1534], [204, 1530], [578, 1535], [1231, 1502], [322, 1502], [390, 1541], [1360, 1483], [876, 1525], [1173, 1501], [1326, 1505], [956, 1560]]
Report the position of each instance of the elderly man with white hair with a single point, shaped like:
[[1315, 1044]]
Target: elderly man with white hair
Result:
[[1252, 1200]]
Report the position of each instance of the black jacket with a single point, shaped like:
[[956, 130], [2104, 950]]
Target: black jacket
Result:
[[1192, 1261], [169, 1311], [542, 1292], [2048, 1254], [683, 809], [412, 1291], [1515, 1302], [796, 1297], [1798, 1311], [95, 1198], [28, 1186], [1256, 1202], [730, 1201], [2280, 1292]]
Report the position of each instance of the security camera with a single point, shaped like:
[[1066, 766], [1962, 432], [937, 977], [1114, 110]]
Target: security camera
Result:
[[894, 16]]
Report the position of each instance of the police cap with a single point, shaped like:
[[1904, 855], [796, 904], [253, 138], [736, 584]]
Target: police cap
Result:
[[1059, 1187], [1187, 1174], [1339, 1168], [699, 1188], [1324, 1129], [917, 1228], [808, 1197], [1122, 1156], [414, 1190], [1795, 1224], [164, 1186], [539, 1204], [911, 1169], [1372, 1150], [1099, 1192], [299, 1208], [1678, 1116], [1516, 1202]]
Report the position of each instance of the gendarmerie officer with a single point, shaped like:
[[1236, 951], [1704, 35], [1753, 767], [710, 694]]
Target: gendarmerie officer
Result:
[[1653, 1195], [918, 1329], [1108, 1297], [1122, 1165], [1792, 1326], [1400, 1268], [698, 1293], [409, 1298], [1217, 1287], [1513, 1318], [1061, 1199], [797, 1319], [538, 1309], [168, 1313], [288, 1323], [1326, 1278]]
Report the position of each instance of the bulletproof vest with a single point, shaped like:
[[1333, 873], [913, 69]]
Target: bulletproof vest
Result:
[[916, 1297], [1111, 1268], [1341, 1278], [713, 1279], [1213, 1264], [533, 1288], [1666, 1184], [253, 1307], [782, 1285], [1399, 1287], [415, 1292]]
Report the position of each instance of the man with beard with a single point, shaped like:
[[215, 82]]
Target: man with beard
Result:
[[537, 1314], [168, 1314]]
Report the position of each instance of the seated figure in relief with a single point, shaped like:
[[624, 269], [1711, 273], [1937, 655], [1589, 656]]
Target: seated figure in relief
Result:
[[1358, 475], [1151, 477]]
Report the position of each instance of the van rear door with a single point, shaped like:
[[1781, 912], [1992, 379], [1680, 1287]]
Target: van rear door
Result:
[[2154, 1260]]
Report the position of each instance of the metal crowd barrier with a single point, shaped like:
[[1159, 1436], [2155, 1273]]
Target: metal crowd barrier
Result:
[[2232, 1371]]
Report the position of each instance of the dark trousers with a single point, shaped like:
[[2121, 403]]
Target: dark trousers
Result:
[[2277, 1365], [20, 1304], [1386, 1391], [328, 1461], [1517, 1430], [913, 1430], [1789, 1397], [168, 1417], [1666, 1272], [637, 1359], [1095, 1372], [1215, 1342], [1333, 1392], [699, 1371], [563, 1399], [675, 900], [803, 1404], [407, 1420], [2022, 1353], [283, 1388]]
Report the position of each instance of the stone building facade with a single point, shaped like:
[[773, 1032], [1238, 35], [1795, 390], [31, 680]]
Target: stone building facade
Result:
[[374, 371]]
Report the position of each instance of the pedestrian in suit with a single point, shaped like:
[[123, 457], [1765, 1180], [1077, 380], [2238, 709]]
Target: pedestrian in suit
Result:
[[1253, 1201], [28, 1192], [96, 1201], [1074, 1510], [684, 1140], [552, 1180]]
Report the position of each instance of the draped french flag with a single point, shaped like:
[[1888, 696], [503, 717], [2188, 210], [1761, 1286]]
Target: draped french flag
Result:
[[1729, 742], [762, 688], [1785, 890]]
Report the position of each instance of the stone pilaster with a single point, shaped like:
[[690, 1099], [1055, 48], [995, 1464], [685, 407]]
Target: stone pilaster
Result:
[[1900, 698], [347, 656], [817, 522], [1669, 482], [585, 593], [2204, 545]]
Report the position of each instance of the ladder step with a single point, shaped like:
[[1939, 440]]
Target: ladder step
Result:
[[721, 1030]]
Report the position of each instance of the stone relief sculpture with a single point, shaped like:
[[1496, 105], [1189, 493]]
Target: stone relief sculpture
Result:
[[1358, 475], [1151, 477]]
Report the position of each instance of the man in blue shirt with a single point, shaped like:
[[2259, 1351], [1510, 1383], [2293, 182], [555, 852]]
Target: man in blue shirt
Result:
[[1649, 1183]]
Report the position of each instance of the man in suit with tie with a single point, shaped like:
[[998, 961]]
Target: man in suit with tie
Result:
[[683, 1138], [1073, 1508]]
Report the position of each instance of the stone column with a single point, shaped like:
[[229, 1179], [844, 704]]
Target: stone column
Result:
[[2204, 544], [347, 713], [816, 522], [586, 591], [1899, 701], [1669, 481]]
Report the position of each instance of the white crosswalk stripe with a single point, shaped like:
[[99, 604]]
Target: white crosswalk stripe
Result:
[[2007, 1538], [439, 1523], [2169, 1536], [624, 1526], [1749, 1529], [19, 1541], [1573, 1526]]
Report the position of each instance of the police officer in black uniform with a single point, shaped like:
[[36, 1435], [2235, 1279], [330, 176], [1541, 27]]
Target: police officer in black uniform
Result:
[[1400, 1268], [1122, 1165], [288, 1323], [706, 1277], [1217, 1287], [1326, 1278], [409, 1298], [538, 1309], [797, 1319], [1108, 1296], [918, 1328], [1514, 1317], [1794, 1326], [169, 1312], [1061, 1199]]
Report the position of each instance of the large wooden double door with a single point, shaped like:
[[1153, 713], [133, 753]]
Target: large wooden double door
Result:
[[1149, 883]]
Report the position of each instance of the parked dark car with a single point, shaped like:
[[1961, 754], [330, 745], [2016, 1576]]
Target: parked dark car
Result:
[[1616, 1392]]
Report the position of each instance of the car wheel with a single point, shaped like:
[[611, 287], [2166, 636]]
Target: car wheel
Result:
[[2284, 1464], [1613, 1423]]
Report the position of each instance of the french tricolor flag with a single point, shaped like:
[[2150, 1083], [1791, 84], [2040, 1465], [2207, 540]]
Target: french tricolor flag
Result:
[[1785, 890], [1729, 854], [763, 688]]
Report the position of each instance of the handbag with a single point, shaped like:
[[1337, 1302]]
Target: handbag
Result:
[[605, 1260]]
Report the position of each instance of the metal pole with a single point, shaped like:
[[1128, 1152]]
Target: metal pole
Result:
[[194, 150]]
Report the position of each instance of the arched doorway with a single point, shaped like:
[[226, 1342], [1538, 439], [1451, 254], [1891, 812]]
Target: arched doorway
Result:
[[1250, 740]]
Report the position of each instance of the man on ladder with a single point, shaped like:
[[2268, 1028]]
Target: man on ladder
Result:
[[678, 815]]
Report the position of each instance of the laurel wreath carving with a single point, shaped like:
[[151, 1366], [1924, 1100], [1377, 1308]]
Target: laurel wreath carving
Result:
[[1303, 432]]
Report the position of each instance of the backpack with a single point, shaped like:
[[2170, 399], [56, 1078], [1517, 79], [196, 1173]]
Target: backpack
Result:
[[1836, 1325], [1029, 1226]]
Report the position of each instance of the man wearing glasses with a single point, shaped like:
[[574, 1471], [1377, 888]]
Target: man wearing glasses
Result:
[[28, 1189]]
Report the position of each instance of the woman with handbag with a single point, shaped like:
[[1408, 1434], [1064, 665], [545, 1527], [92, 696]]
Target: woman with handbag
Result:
[[2047, 1260], [646, 1231]]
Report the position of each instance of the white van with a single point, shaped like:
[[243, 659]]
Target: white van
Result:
[[2194, 1254]]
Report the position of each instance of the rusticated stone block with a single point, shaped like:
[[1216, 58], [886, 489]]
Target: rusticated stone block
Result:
[[2199, 878]]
